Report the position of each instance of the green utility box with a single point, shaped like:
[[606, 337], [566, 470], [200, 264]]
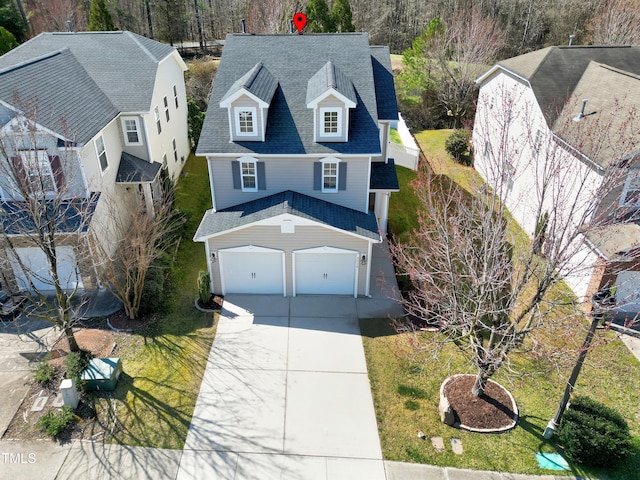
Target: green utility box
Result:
[[102, 373]]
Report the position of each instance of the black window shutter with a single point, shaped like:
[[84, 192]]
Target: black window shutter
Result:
[[342, 176], [262, 179], [235, 173], [317, 175], [58, 174]]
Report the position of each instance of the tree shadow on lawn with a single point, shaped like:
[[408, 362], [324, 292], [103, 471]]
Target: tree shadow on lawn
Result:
[[148, 421]]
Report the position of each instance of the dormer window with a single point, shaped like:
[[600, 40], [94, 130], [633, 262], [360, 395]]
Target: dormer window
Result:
[[331, 121], [246, 121]]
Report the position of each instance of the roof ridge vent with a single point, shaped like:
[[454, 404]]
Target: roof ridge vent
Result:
[[252, 75], [331, 75]]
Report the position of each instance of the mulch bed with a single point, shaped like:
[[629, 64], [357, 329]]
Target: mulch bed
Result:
[[214, 303], [493, 410]]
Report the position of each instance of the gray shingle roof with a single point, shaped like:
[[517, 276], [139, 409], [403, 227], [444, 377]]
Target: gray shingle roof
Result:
[[293, 60], [330, 77], [384, 176], [57, 87], [122, 64], [294, 203], [385, 89], [258, 81], [555, 72], [136, 170]]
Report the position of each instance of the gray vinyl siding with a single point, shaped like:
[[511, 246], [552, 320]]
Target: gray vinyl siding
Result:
[[291, 174], [304, 237]]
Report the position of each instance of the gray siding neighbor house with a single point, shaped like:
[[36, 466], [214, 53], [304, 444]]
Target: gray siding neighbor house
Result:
[[295, 139], [82, 111]]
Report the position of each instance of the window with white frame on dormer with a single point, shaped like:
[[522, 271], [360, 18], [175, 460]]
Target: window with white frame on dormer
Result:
[[331, 122], [131, 130], [631, 191], [245, 121]]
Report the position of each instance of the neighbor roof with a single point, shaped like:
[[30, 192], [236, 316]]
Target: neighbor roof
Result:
[[136, 170], [293, 60], [288, 202], [613, 241], [123, 65], [54, 89]]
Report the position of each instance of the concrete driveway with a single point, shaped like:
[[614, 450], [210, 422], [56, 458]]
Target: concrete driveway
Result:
[[285, 395]]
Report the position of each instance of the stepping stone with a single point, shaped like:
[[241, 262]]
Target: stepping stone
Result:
[[58, 402], [39, 404], [437, 443], [456, 446]]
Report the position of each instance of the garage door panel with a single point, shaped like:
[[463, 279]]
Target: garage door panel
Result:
[[325, 273], [36, 269], [252, 272]]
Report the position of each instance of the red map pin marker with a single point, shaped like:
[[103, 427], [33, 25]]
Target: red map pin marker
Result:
[[299, 20]]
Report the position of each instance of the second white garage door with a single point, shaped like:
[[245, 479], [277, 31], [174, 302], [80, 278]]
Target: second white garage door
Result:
[[252, 270], [325, 270], [36, 269]]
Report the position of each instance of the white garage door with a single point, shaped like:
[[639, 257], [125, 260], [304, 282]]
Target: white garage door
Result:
[[252, 270], [325, 270], [36, 269]]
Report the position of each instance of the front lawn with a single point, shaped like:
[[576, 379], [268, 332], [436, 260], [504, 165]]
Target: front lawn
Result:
[[405, 382], [163, 367]]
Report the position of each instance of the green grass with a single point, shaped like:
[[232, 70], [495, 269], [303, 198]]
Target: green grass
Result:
[[155, 397], [394, 136], [405, 384]]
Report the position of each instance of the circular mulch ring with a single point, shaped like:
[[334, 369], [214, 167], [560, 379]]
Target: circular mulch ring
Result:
[[493, 412]]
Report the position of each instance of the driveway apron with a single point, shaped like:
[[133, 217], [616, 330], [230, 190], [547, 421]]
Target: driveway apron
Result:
[[285, 395]]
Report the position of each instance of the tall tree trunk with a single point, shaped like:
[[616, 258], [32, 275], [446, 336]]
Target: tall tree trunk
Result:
[[149, 22], [480, 384], [195, 6], [23, 15], [73, 344]]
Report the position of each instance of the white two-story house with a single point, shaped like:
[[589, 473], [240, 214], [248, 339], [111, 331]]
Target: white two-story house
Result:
[[557, 132], [295, 139], [97, 115]]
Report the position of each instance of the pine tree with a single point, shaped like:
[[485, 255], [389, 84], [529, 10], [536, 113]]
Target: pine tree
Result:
[[7, 41], [99, 17], [342, 17], [320, 19]]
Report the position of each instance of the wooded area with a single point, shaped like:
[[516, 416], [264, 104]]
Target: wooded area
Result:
[[527, 24]]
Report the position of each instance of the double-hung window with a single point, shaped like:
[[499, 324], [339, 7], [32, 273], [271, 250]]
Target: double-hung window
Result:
[[329, 176], [166, 108], [175, 95], [249, 176], [331, 122], [631, 192], [102, 153], [156, 113], [246, 121], [38, 170], [131, 130], [175, 150]]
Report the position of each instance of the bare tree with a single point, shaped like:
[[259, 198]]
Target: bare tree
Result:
[[617, 23], [487, 287], [143, 236], [52, 15], [44, 216]]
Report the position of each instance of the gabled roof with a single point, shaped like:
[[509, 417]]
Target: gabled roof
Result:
[[136, 170], [54, 88], [293, 203], [123, 65], [293, 60], [257, 81], [555, 72], [330, 79]]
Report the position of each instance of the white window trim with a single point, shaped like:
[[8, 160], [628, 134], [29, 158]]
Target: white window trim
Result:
[[138, 130], [337, 163], [627, 187], [254, 116], [165, 101], [156, 113], [537, 140], [104, 149], [175, 149], [255, 175], [175, 96], [324, 110], [43, 166]]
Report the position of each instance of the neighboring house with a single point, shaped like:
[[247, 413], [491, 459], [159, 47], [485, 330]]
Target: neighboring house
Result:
[[296, 143], [107, 110], [573, 110]]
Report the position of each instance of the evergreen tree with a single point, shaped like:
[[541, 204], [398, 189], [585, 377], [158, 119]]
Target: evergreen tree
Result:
[[11, 20], [342, 17], [99, 17], [319, 17], [7, 41]]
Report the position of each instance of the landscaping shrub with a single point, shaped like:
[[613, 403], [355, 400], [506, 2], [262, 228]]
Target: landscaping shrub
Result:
[[593, 434], [76, 363], [55, 422], [457, 145], [204, 286], [44, 373]]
